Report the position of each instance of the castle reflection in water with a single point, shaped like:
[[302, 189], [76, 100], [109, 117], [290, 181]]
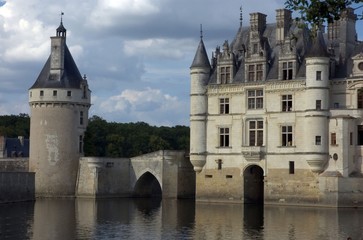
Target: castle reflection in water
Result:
[[173, 219]]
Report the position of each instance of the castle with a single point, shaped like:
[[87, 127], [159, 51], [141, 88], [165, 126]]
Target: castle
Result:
[[276, 116]]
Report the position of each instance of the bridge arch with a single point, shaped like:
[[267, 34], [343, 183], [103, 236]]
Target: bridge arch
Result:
[[147, 186]]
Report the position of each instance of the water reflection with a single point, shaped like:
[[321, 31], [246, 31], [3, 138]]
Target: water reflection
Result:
[[172, 219]]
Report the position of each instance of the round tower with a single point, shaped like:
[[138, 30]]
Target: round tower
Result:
[[199, 73], [59, 102], [317, 105]]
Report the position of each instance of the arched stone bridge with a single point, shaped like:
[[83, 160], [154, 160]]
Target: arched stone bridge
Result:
[[165, 173]]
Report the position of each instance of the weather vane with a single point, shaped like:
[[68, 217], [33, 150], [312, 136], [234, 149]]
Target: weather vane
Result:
[[62, 13]]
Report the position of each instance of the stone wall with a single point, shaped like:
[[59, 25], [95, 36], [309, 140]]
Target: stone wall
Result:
[[14, 165], [103, 177], [17, 186], [300, 188]]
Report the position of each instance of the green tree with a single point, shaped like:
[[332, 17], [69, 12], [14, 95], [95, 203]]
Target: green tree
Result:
[[316, 12]]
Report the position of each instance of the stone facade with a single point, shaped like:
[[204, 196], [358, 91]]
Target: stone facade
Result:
[[277, 116]]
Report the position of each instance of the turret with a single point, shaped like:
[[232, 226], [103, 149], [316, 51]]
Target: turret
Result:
[[59, 102], [199, 72], [317, 104]]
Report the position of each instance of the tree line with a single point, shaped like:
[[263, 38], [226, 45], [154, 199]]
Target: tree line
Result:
[[13, 126], [111, 139]]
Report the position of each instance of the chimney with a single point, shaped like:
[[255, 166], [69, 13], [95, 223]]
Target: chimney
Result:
[[283, 22], [257, 23]]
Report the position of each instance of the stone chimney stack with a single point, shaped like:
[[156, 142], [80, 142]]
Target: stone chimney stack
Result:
[[258, 23], [58, 44], [283, 21]]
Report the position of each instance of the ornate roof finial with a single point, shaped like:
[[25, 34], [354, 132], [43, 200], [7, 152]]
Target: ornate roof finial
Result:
[[240, 16], [61, 31], [201, 31]]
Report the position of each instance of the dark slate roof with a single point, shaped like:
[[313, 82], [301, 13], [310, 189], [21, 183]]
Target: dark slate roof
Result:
[[318, 48], [201, 57], [13, 145], [71, 77]]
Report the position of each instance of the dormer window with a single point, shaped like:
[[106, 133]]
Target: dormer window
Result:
[[254, 48], [255, 72], [287, 70], [225, 75]]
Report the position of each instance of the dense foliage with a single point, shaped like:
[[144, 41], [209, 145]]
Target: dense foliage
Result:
[[316, 12], [111, 139], [13, 126], [131, 139]]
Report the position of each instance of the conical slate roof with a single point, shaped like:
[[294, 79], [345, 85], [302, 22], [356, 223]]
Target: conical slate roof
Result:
[[318, 49], [71, 77], [201, 57]]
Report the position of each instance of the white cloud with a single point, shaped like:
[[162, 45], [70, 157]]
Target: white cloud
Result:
[[150, 105]]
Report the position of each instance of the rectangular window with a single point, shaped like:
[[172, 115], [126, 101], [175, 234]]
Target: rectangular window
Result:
[[360, 98], [54, 93], [41, 93], [351, 138], [251, 73], [224, 105], [336, 105], [69, 93], [225, 74], [259, 72], [255, 133], [291, 167], [318, 105], [255, 48], [255, 72], [287, 70], [81, 117], [286, 135], [333, 139], [318, 75], [224, 137], [286, 103], [80, 144], [317, 140], [30, 94], [255, 99], [360, 135]]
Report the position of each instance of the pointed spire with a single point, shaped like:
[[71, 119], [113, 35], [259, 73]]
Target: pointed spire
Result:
[[240, 16], [201, 31], [201, 57]]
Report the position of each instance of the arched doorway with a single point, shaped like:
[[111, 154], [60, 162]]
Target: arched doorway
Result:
[[147, 187], [253, 184]]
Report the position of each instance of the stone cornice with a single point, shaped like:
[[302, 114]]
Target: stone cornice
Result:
[[268, 86]]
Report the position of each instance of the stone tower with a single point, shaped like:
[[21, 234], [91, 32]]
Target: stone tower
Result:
[[59, 102], [199, 72], [317, 105]]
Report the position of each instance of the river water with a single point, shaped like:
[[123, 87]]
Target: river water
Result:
[[173, 219]]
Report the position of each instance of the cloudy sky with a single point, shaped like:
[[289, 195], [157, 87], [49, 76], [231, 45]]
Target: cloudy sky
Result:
[[136, 53]]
